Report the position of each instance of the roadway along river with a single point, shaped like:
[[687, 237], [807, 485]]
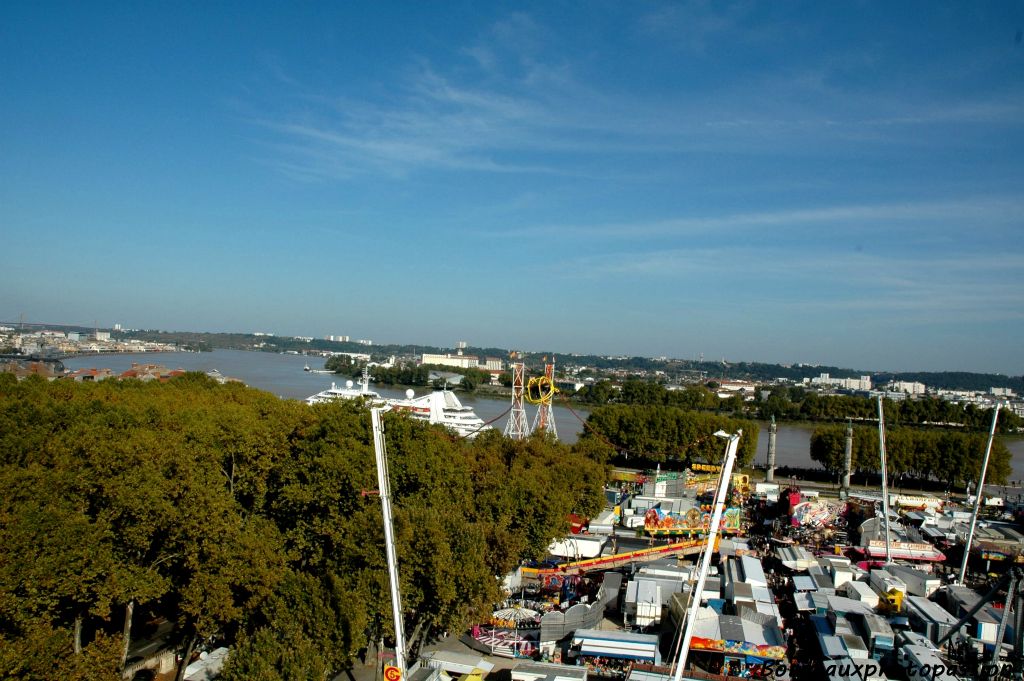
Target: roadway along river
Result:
[[283, 375]]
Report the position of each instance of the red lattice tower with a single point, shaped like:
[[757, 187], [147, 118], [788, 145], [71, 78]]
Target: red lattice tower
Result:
[[545, 420], [517, 427]]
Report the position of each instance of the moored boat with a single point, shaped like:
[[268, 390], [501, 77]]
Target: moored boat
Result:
[[441, 406], [349, 392]]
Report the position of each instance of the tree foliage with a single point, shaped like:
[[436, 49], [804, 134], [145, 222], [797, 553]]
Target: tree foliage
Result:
[[948, 456], [663, 434], [251, 520]]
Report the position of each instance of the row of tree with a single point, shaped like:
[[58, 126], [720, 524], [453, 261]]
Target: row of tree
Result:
[[648, 393], [799, 404], [400, 374], [251, 520], [650, 435], [408, 373], [794, 403], [947, 456]]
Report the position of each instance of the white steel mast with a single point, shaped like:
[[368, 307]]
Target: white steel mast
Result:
[[977, 499], [389, 534], [885, 480], [716, 518]]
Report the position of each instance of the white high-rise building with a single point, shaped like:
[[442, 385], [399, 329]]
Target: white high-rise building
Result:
[[908, 387]]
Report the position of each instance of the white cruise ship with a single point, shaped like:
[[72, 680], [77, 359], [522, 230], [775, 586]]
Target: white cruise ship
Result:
[[349, 392], [441, 406]]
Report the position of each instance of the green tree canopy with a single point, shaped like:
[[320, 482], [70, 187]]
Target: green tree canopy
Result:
[[948, 456], [253, 521], [661, 434]]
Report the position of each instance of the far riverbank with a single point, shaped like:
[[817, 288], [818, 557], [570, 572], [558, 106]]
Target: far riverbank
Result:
[[283, 376]]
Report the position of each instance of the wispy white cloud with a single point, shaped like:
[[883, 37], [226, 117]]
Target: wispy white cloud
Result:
[[519, 103], [695, 25], [980, 213], [987, 286]]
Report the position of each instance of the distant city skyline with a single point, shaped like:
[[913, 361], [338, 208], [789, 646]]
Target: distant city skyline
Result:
[[835, 184], [566, 354]]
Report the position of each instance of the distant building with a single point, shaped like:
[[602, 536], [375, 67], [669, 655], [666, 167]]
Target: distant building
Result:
[[90, 375], [735, 386], [151, 372], [338, 339], [447, 377], [24, 369], [569, 385], [364, 342], [492, 364], [355, 356], [1002, 392], [908, 387], [101, 336], [458, 360], [862, 383]]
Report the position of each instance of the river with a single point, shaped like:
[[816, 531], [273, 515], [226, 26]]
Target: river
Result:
[[283, 375]]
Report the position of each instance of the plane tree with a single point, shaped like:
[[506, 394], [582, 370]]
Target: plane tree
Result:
[[251, 520], [953, 457], [668, 434]]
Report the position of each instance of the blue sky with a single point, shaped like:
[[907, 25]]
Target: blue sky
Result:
[[837, 183]]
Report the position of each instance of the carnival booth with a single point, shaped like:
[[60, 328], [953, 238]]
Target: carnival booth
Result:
[[737, 644], [612, 653]]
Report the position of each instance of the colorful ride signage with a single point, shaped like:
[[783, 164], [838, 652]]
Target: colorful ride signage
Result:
[[392, 673]]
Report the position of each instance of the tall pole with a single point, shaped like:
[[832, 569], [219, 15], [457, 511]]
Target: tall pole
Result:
[[1011, 594], [716, 518], [389, 534], [847, 461], [770, 475], [885, 480], [978, 492]]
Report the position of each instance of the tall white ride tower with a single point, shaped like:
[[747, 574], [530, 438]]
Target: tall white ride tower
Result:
[[517, 427]]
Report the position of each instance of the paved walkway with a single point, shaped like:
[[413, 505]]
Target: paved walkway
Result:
[[502, 665], [372, 672]]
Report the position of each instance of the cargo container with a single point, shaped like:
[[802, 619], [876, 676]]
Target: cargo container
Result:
[[924, 663], [859, 591], [878, 635], [884, 583], [928, 617], [918, 582]]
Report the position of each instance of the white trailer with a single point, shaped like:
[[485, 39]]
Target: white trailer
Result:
[[604, 523], [859, 591], [578, 546], [923, 663], [883, 582], [918, 582]]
